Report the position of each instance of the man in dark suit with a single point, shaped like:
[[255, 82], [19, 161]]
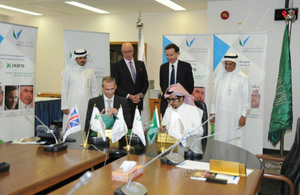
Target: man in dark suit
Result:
[[108, 103], [131, 78], [174, 71]]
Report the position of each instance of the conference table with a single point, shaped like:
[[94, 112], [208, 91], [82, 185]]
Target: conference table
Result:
[[167, 179], [33, 170]]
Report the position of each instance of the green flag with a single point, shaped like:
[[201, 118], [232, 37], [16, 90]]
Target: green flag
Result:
[[153, 129], [282, 112]]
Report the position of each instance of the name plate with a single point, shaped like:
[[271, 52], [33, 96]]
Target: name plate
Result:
[[165, 138], [227, 167]]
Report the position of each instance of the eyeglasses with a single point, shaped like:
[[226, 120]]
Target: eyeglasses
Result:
[[130, 51], [229, 64], [255, 95], [172, 99]]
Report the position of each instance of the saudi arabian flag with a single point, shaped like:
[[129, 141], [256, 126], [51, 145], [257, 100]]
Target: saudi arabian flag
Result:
[[153, 129], [282, 113]]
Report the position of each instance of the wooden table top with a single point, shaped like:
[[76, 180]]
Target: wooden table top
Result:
[[33, 170], [162, 179]]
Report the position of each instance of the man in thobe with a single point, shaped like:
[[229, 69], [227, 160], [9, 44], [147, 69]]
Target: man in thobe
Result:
[[182, 102], [78, 86], [230, 101]]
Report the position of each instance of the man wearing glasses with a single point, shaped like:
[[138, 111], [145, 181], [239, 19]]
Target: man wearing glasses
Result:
[[230, 101], [131, 78], [183, 103]]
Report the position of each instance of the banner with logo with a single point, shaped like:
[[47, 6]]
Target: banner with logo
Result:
[[97, 45], [196, 50], [17, 76], [251, 49]]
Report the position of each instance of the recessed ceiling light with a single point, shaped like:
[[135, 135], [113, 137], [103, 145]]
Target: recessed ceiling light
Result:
[[20, 10], [171, 5], [74, 3]]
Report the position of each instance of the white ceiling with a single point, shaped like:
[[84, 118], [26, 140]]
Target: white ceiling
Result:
[[58, 7]]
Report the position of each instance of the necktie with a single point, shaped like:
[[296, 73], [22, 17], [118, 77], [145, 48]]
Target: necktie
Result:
[[172, 80], [133, 74], [108, 105]]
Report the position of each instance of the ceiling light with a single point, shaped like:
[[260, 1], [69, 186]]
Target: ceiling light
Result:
[[74, 3], [171, 5], [20, 10]]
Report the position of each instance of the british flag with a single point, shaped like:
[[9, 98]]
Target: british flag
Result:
[[73, 123], [73, 120]]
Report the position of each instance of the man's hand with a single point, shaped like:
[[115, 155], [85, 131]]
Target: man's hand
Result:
[[112, 111], [66, 111], [135, 98], [102, 111], [162, 128], [242, 121], [213, 119]]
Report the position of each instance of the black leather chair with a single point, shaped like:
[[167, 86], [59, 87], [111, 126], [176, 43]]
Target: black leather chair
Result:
[[288, 180], [202, 106]]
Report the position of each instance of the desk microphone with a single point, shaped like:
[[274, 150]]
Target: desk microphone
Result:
[[137, 188], [48, 130], [53, 147], [197, 150], [83, 180], [174, 158]]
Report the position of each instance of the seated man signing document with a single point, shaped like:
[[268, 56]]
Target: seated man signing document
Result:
[[108, 103], [182, 103]]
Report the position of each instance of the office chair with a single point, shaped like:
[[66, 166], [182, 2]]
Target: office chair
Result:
[[288, 180], [202, 106]]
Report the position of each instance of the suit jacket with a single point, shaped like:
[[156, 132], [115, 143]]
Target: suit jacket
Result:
[[125, 85], [184, 77], [99, 101]]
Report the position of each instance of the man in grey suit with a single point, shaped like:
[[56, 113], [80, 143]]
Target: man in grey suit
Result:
[[108, 103], [173, 72], [131, 78]]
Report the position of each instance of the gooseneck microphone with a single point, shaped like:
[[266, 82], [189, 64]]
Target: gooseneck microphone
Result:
[[83, 180], [53, 147], [137, 188], [48, 130], [174, 158], [196, 149]]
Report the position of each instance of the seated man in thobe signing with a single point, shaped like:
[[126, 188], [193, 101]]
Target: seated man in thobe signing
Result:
[[182, 102]]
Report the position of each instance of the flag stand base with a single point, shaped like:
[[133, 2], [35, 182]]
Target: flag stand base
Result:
[[56, 147], [128, 148], [85, 145], [162, 149]]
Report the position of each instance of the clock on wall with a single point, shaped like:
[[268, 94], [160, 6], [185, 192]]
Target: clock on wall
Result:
[[281, 13]]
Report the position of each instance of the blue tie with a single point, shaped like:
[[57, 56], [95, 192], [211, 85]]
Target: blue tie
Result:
[[133, 74], [172, 80]]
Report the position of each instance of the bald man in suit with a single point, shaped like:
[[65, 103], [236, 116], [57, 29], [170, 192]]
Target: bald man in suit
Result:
[[131, 78]]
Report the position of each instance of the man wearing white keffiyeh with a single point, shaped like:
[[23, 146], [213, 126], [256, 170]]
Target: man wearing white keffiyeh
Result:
[[231, 100]]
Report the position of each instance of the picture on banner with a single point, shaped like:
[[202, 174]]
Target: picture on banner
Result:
[[196, 50], [11, 97], [1, 98], [199, 93], [251, 49], [26, 96]]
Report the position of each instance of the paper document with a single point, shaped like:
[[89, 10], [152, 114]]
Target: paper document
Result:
[[189, 164], [230, 179]]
